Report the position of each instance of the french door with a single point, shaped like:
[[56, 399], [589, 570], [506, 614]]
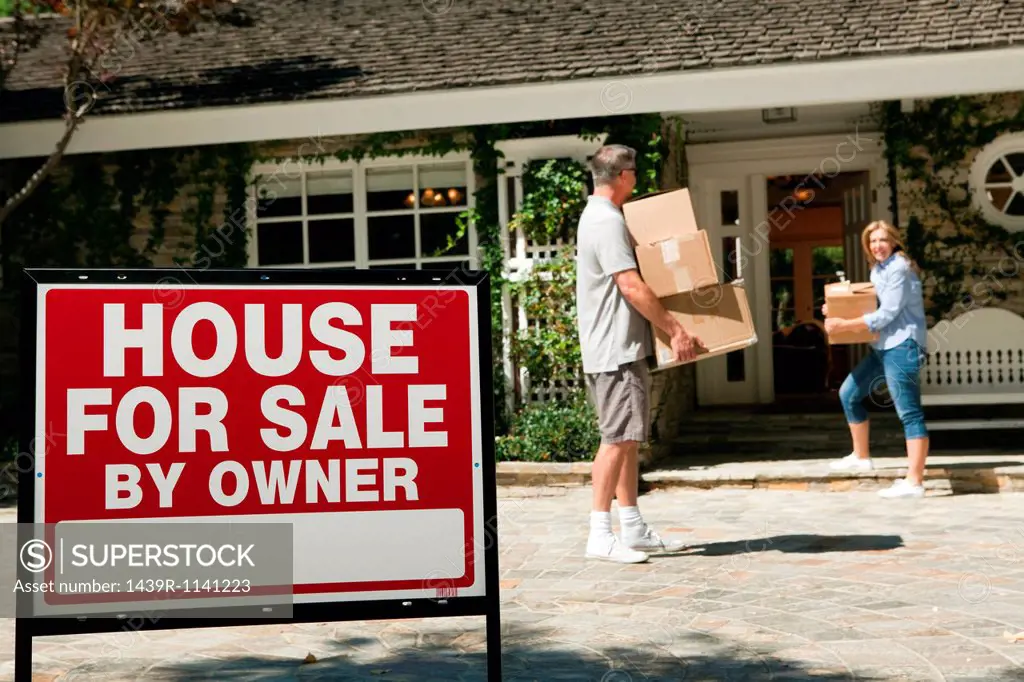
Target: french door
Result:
[[723, 209]]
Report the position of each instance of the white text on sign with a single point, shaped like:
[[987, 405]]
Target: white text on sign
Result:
[[182, 413]]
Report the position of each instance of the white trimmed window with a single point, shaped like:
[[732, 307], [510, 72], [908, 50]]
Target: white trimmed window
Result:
[[997, 181], [381, 213]]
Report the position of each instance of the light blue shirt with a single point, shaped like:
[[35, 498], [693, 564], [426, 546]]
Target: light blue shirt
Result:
[[900, 314]]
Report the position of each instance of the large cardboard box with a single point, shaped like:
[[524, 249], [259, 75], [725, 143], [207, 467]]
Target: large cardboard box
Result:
[[675, 260], [847, 300], [718, 315]]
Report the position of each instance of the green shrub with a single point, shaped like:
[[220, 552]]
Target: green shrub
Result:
[[552, 432]]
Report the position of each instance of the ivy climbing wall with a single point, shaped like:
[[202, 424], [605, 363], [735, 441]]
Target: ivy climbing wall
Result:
[[969, 259]]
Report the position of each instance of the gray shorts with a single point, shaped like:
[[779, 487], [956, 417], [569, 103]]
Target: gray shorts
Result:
[[622, 401]]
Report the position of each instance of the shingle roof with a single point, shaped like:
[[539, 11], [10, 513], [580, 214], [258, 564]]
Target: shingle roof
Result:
[[302, 49]]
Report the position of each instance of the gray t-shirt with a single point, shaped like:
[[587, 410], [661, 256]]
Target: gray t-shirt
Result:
[[612, 332]]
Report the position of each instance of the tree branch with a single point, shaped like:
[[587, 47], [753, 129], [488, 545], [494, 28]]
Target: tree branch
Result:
[[97, 26], [40, 175]]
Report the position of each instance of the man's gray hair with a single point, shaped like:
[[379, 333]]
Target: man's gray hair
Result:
[[609, 161]]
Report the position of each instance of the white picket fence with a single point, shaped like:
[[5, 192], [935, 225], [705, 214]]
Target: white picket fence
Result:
[[532, 391], [525, 391]]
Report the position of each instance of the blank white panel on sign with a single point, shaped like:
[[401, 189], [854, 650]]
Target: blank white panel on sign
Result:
[[370, 546], [379, 545]]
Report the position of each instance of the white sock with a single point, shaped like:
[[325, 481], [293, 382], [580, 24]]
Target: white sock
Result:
[[630, 517], [601, 537], [600, 523]]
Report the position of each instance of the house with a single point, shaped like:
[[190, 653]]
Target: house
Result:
[[792, 123]]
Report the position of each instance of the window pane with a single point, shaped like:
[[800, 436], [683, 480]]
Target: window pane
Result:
[[278, 196], [736, 366], [392, 236], [818, 285], [782, 293], [730, 258], [782, 318], [435, 231], [730, 207], [998, 173], [999, 196], [1016, 161], [329, 192], [448, 266], [279, 243], [827, 260], [332, 240], [1016, 207], [389, 189], [442, 185], [781, 263]]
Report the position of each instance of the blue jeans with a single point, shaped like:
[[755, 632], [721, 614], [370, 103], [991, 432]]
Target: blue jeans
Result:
[[900, 369]]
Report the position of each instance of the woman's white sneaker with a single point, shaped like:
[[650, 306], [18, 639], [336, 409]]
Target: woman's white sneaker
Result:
[[902, 488], [852, 463], [650, 542]]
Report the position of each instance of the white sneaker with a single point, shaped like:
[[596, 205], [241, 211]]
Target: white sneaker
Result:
[[646, 540], [852, 463], [610, 549], [902, 488]]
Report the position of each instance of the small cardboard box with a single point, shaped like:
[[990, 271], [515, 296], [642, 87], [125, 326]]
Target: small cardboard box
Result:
[[848, 300], [652, 217], [719, 315], [677, 264]]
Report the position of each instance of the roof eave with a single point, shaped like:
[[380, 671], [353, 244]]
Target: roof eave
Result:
[[865, 79]]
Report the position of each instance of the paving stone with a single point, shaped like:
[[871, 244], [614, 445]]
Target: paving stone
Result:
[[779, 585]]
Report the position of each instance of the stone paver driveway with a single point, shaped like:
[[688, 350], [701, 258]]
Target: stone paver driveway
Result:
[[777, 586]]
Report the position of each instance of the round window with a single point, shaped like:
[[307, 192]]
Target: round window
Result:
[[997, 181]]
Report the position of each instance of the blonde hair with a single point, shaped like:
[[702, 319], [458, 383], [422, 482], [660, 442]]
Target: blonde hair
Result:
[[894, 238]]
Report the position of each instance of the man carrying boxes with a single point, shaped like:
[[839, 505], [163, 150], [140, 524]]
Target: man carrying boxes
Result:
[[642, 266], [612, 302]]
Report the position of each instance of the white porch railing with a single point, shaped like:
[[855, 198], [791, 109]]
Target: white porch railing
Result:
[[975, 359]]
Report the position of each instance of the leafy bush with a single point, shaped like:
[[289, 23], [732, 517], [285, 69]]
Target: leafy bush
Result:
[[551, 432], [554, 195]]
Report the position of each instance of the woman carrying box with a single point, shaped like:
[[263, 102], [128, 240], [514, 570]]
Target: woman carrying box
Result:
[[896, 357]]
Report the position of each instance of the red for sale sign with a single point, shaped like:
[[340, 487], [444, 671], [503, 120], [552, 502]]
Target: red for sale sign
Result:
[[351, 412]]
